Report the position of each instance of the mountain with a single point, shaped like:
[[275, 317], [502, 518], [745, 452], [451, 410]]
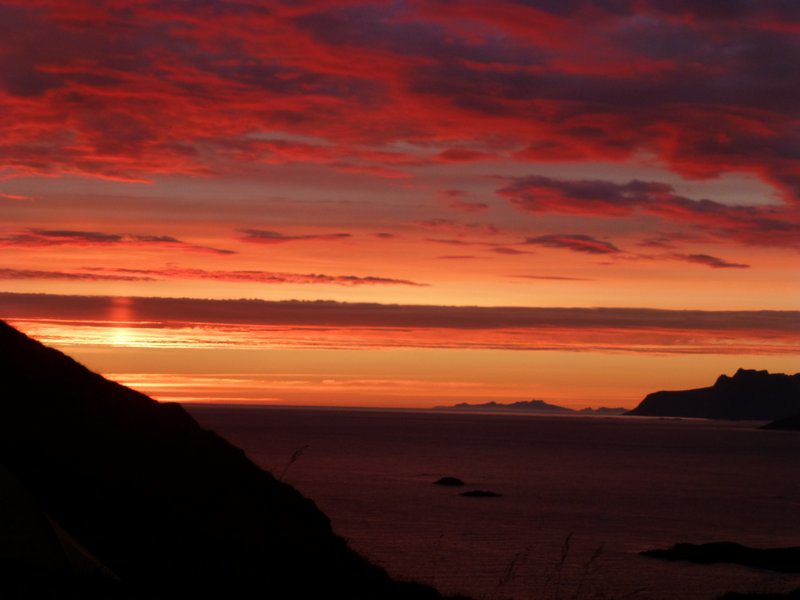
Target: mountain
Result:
[[538, 406], [603, 410], [171, 509], [748, 395], [532, 406]]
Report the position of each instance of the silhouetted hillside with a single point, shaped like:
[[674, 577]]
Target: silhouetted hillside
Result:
[[748, 395], [172, 509]]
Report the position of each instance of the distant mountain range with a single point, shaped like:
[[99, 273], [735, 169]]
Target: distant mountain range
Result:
[[748, 395], [532, 406]]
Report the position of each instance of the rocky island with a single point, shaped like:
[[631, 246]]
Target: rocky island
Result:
[[782, 560]]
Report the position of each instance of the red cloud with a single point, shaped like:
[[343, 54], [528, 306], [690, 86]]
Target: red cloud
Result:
[[573, 80], [13, 197]]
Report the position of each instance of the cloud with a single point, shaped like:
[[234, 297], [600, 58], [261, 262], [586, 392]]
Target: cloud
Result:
[[454, 242], [576, 242], [457, 199], [260, 236], [467, 206], [323, 312], [765, 225], [710, 261], [593, 197], [573, 80], [663, 241], [14, 197], [396, 90], [457, 227], [42, 238], [509, 251], [266, 277], [586, 244], [366, 325], [464, 155], [551, 277], [68, 276]]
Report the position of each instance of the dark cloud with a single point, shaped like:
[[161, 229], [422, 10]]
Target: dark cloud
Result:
[[59, 236], [545, 194], [459, 200], [267, 277], [35, 238], [67, 275], [388, 315], [509, 251], [458, 227], [631, 329], [710, 261], [551, 277], [576, 242], [467, 206], [767, 225], [260, 236]]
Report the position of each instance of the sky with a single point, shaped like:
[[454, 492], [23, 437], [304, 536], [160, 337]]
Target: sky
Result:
[[405, 203]]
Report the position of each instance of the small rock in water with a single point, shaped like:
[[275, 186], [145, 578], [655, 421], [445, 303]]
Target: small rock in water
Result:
[[480, 494], [449, 481]]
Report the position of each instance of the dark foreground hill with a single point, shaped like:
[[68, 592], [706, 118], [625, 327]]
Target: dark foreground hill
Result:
[[748, 395], [171, 509]]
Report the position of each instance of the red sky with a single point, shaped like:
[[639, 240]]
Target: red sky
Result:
[[402, 162]]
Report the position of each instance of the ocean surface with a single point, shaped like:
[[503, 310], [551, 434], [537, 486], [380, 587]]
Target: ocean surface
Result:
[[581, 495]]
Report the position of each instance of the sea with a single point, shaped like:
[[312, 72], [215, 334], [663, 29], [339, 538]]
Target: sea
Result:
[[580, 497]]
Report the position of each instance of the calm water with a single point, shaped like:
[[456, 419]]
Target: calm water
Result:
[[616, 485]]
